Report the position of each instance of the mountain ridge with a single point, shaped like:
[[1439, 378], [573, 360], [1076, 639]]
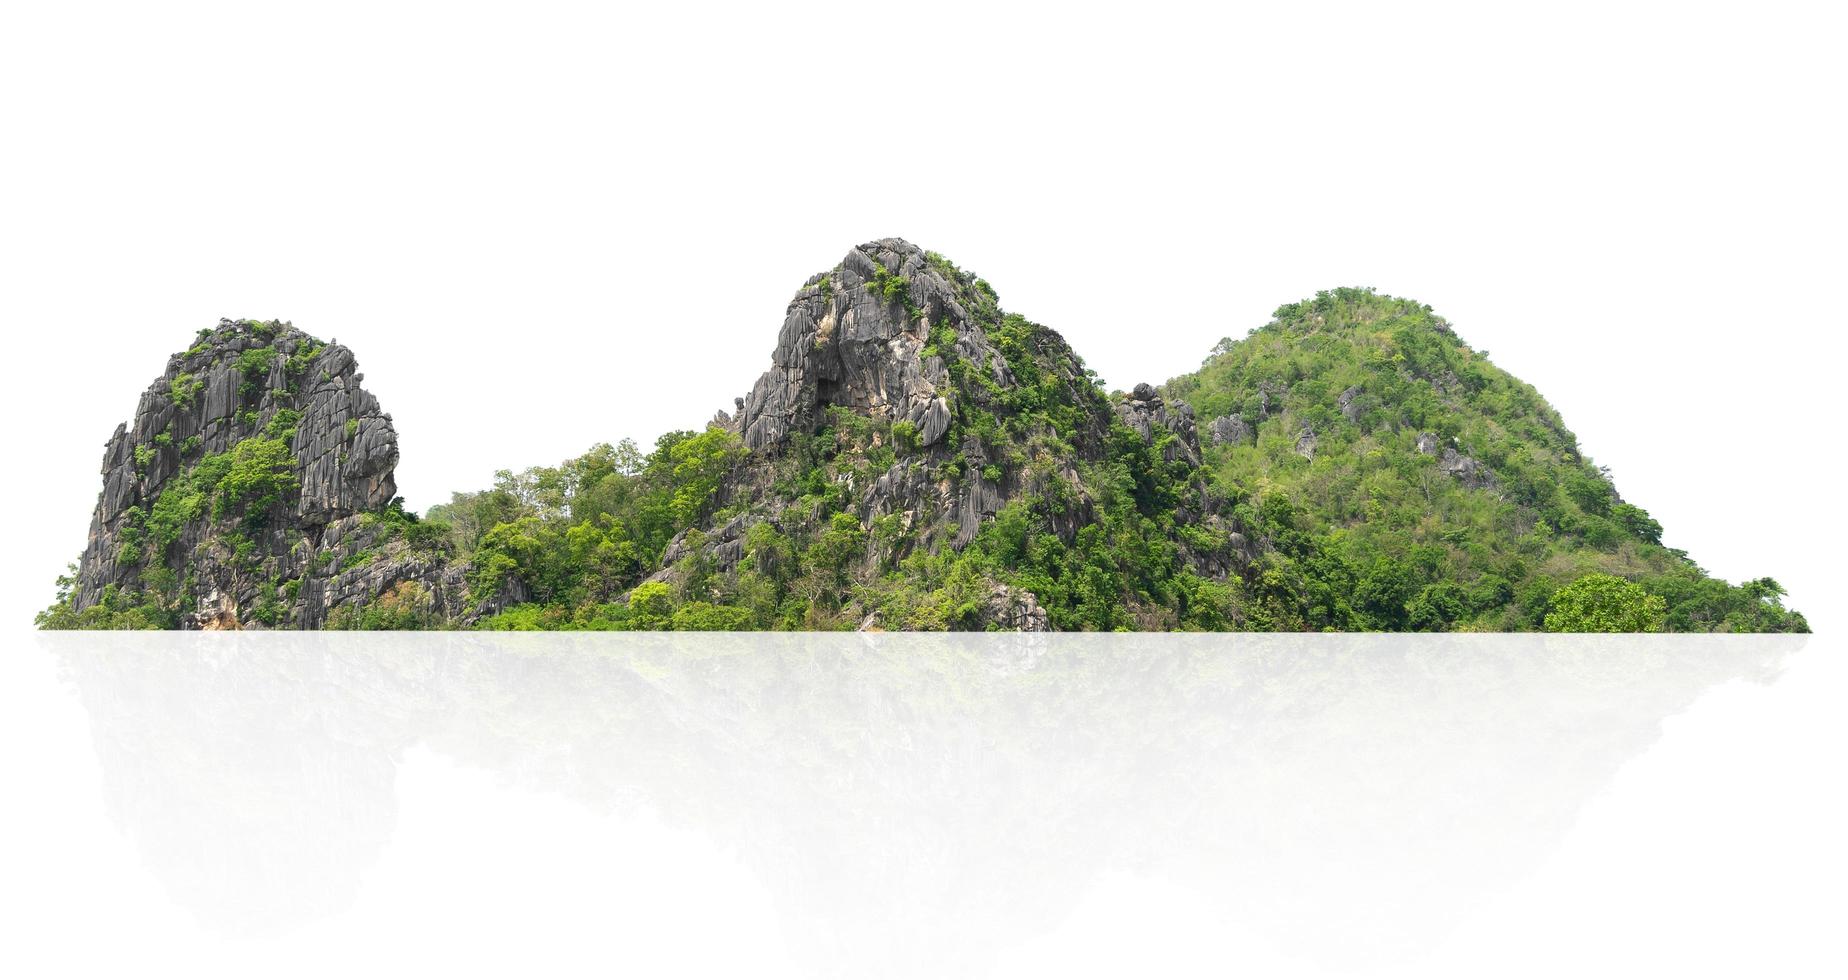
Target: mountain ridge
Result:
[[915, 457]]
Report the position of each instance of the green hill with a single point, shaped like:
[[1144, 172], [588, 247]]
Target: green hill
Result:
[[1399, 480]]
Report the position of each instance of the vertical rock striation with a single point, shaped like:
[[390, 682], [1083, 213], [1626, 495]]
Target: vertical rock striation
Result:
[[860, 336], [254, 487]]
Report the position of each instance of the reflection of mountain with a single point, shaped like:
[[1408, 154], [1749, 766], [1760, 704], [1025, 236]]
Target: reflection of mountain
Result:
[[913, 802]]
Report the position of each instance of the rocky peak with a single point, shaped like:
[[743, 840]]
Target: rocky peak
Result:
[[873, 334], [244, 379], [962, 412], [254, 450]]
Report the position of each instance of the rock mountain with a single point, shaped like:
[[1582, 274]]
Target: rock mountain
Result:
[[914, 458], [249, 486]]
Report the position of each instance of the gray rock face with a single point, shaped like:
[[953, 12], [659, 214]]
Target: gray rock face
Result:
[[723, 544], [1229, 430], [878, 335], [1146, 412], [1427, 443], [1016, 609], [1305, 443], [1270, 392], [851, 339], [1237, 552], [1346, 403], [1471, 472], [294, 562]]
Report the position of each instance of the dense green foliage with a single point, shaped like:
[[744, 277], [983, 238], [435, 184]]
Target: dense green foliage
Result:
[[116, 610], [1600, 603], [575, 537], [1371, 533]]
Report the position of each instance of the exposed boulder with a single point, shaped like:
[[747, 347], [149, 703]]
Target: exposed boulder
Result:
[[1346, 403], [723, 544], [1470, 471], [1305, 443], [1015, 609], [1267, 392]]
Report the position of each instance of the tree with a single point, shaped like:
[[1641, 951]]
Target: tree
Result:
[[1638, 522], [651, 606], [1437, 606], [1605, 604], [831, 554], [701, 616], [259, 474]]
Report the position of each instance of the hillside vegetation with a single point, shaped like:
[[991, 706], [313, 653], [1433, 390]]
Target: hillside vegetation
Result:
[[1401, 481]]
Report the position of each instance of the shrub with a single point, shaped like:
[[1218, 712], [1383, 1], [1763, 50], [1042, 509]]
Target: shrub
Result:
[[905, 436], [358, 558], [282, 424], [427, 535], [257, 475], [524, 618], [706, 617], [1602, 603], [1638, 522], [184, 389], [254, 365], [405, 606], [651, 606], [304, 356], [890, 286]]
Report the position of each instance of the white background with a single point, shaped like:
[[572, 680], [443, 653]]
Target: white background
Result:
[[444, 805], [542, 226]]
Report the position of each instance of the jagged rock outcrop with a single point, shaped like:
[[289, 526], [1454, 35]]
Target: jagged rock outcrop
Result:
[[1268, 392], [1145, 411], [1305, 443], [1229, 430], [1471, 472], [859, 336], [1350, 408], [900, 338], [1015, 609], [254, 487]]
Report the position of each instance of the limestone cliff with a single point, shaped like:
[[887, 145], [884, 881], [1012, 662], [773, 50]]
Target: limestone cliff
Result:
[[254, 487]]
